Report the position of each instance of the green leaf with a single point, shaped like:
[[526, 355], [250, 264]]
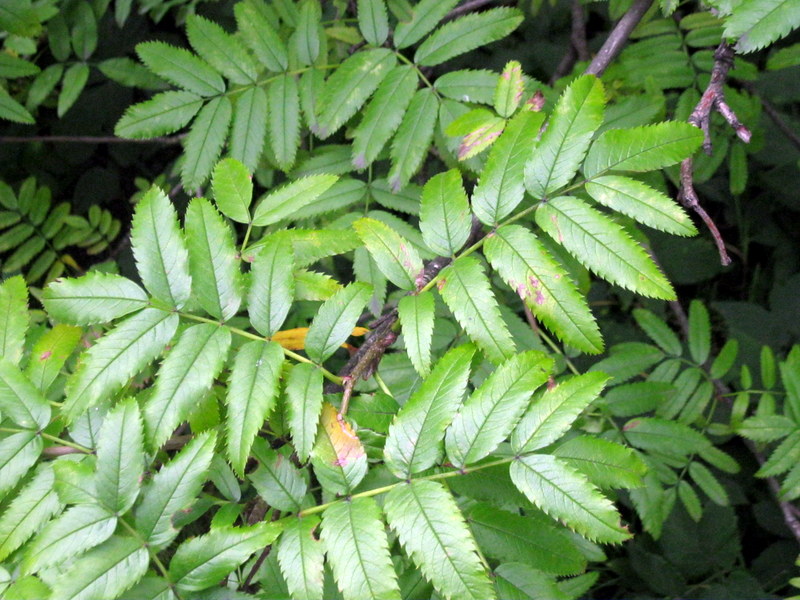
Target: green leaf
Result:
[[349, 87], [31, 507], [233, 189], [184, 378], [311, 245], [603, 246], [660, 435], [93, 298], [373, 21], [658, 331], [759, 23], [725, 359], [383, 114], [606, 464], [492, 411], [117, 357], [252, 391], [20, 401], [765, 428], [18, 453], [642, 148], [395, 256], [433, 533], [470, 85], [221, 50], [272, 286], [467, 292], [699, 332], [533, 539], [358, 550], [544, 285], [413, 138], [120, 457], [510, 87], [277, 480], [467, 33], [164, 113], [13, 67], [690, 500], [173, 488], [75, 78], [78, 529], [14, 316], [566, 495], [249, 127], [306, 37], [310, 285], [335, 320], [501, 186], [284, 120], [160, 250], [301, 557], [642, 203], [304, 404], [287, 200], [706, 481], [204, 142], [49, 354], [180, 67], [213, 263], [339, 459], [783, 458], [559, 153], [11, 110], [261, 37], [416, 434], [519, 581], [445, 219], [425, 16], [104, 572], [416, 314], [204, 561]]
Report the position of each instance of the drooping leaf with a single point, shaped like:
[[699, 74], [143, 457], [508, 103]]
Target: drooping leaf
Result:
[[181, 67], [18, 453], [603, 246], [287, 200], [14, 316], [395, 257], [338, 457], [556, 158], [20, 400], [554, 410], [373, 21], [424, 17], [304, 404], [467, 292], [759, 23], [252, 390], [566, 495], [284, 120], [413, 138], [233, 189], [544, 286], [416, 314], [335, 320], [163, 114], [120, 457], [204, 142], [277, 480], [444, 213], [467, 33], [116, 357], [249, 127], [213, 265], [416, 434], [260, 36], [301, 557], [160, 250], [358, 550], [433, 533], [93, 298], [185, 375], [202, 562], [220, 49], [173, 488], [606, 464]]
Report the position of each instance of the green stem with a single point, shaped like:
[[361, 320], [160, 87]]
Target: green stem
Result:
[[153, 555], [52, 438], [420, 74], [246, 238]]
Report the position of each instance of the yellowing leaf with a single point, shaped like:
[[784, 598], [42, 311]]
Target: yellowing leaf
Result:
[[295, 339], [339, 459]]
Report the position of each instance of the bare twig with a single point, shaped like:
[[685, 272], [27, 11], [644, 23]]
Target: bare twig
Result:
[[87, 139], [618, 37]]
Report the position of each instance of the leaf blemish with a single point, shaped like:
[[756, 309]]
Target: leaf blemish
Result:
[[46, 355]]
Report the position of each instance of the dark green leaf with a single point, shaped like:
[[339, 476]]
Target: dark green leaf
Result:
[[162, 114], [220, 49], [181, 67]]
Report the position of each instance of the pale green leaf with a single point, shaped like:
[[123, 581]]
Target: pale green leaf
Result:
[[642, 203], [173, 488], [373, 21], [467, 292], [415, 436], [554, 410], [758, 23], [160, 250], [433, 533], [395, 256], [510, 87], [424, 17], [120, 457], [416, 313], [284, 120], [358, 550], [18, 453], [184, 377], [272, 285], [164, 113], [557, 156], [252, 390], [469, 85], [204, 142], [606, 464], [603, 246], [20, 400], [93, 298], [311, 245], [233, 189], [642, 148], [335, 320], [303, 406], [566, 495], [260, 36], [277, 480], [204, 561], [467, 33], [180, 67], [766, 428], [49, 354], [310, 285], [14, 316], [249, 127], [410, 144], [301, 557], [117, 357], [220, 49], [501, 186], [445, 219], [338, 457], [287, 200]]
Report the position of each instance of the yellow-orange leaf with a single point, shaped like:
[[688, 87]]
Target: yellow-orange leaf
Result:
[[295, 339], [339, 459], [343, 440]]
